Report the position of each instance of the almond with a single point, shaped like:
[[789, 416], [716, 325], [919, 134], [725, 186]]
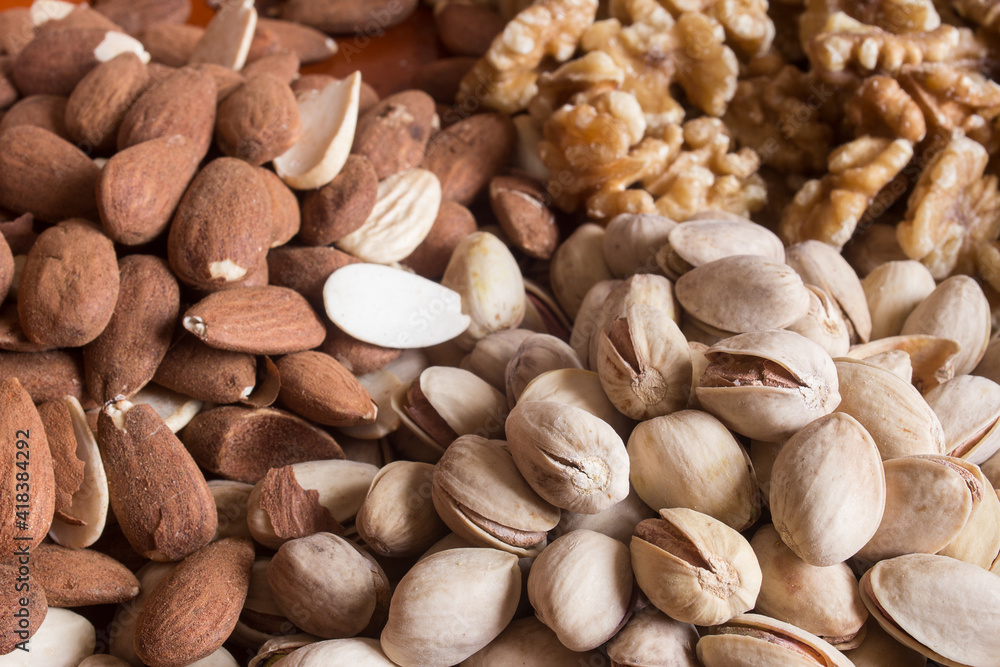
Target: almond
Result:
[[135, 16], [467, 29], [11, 599], [222, 227], [318, 387], [25, 510], [124, 357], [140, 187], [285, 215], [348, 16], [98, 103], [45, 175], [19, 233], [45, 375], [342, 205], [16, 29], [205, 373], [356, 355], [182, 103], [69, 287], [171, 43], [6, 268], [8, 91], [309, 44], [80, 577], [259, 121], [393, 134], [226, 80], [161, 499], [195, 608], [466, 155], [293, 511], [258, 320], [244, 443], [45, 111], [440, 78], [284, 65], [227, 36], [48, 15], [519, 202], [67, 468], [305, 270], [453, 223]]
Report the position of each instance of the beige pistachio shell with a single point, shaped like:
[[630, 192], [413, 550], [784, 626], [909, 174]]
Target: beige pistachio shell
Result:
[[767, 385], [480, 494], [989, 365], [537, 354], [828, 490], [277, 648], [697, 242], [754, 639], [651, 638], [690, 459], [581, 389], [742, 293], [450, 605], [644, 363], [896, 362], [642, 289], [397, 518], [991, 469], [979, 541], [957, 309], [821, 265], [932, 359], [571, 458], [892, 411], [824, 323], [631, 241], [585, 326], [490, 355], [581, 587], [944, 608], [528, 642], [577, 265], [694, 568], [618, 521], [878, 649], [821, 600], [547, 315], [968, 407], [892, 291], [356, 651]]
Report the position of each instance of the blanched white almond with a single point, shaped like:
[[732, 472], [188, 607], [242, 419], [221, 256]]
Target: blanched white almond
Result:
[[43, 11], [227, 37]]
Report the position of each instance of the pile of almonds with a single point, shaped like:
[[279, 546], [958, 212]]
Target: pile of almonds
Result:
[[292, 373]]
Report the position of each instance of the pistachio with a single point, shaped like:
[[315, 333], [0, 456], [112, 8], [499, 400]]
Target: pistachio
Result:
[[821, 265], [968, 407], [878, 649], [652, 638], [581, 389], [932, 359], [892, 291], [631, 240], [397, 517], [824, 323], [767, 641], [489, 356], [537, 354], [618, 521], [577, 265], [641, 289], [530, 643], [585, 324], [956, 309], [698, 242], [357, 651], [979, 541]]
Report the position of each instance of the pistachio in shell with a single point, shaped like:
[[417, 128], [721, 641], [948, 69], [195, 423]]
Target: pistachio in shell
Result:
[[358, 651], [697, 242], [652, 638], [530, 643], [754, 639], [824, 323], [641, 289], [878, 649], [821, 265], [631, 241], [968, 407], [397, 518], [577, 265], [489, 356], [979, 541], [581, 389], [932, 359], [892, 291], [588, 321], [956, 309], [537, 354], [618, 521]]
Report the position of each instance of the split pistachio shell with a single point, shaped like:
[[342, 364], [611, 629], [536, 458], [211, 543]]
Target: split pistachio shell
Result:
[[878, 649], [653, 639], [944, 608], [581, 389], [490, 355], [690, 459], [892, 411], [450, 605], [932, 359], [577, 265], [956, 309], [896, 362], [991, 469], [571, 458], [644, 363], [486, 275], [824, 323], [821, 600], [697, 242], [581, 587], [828, 490], [968, 407], [642, 289], [478, 491], [742, 293], [397, 518], [754, 639], [90, 502], [767, 385], [979, 541], [585, 326], [528, 642], [631, 241], [537, 354], [821, 265], [694, 568], [892, 291], [356, 651], [618, 521]]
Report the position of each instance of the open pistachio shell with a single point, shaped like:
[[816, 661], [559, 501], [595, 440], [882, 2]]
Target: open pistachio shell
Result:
[[641, 289], [537, 354], [397, 518], [979, 541], [824, 323], [820, 264], [878, 649], [581, 389], [944, 608], [653, 638], [968, 407], [932, 359], [753, 639], [698, 242], [956, 309], [488, 358]]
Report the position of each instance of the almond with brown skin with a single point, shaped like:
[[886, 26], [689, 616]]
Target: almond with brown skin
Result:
[[45, 175], [69, 286], [12, 599], [194, 609], [216, 376], [318, 387], [466, 155], [16, 30], [356, 355], [305, 270], [182, 103], [101, 99], [12, 338], [467, 29], [135, 16], [259, 121], [6, 268], [45, 111], [453, 223], [291, 510], [80, 17], [141, 186], [519, 202], [440, 78], [222, 227], [27, 502], [8, 91], [226, 80], [19, 233], [258, 320], [342, 205], [161, 499], [125, 356], [310, 45], [348, 16], [393, 134], [284, 65], [285, 215], [171, 43], [46, 375], [244, 443], [67, 468], [81, 577]]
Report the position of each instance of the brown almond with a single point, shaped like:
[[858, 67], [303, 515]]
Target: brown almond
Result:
[[45, 375], [171, 43], [58, 57], [285, 215], [263, 43], [222, 227], [14, 600], [194, 609], [306, 270], [466, 155], [45, 175], [310, 45], [16, 29], [8, 91], [182, 103], [348, 16], [453, 223], [161, 499], [242, 443], [259, 121], [67, 468], [26, 510], [283, 64], [258, 320], [124, 357], [19, 233], [356, 355], [393, 134], [226, 80], [135, 16], [69, 285], [6, 268], [12, 338], [81, 577], [216, 376], [467, 29], [140, 187], [341, 206], [519, 202], [318, 387], [293, 511], [45, 111], [101, 99], [440, 78], [82, 16]]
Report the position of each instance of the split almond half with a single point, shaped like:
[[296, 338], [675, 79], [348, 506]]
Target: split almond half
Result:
[[227, 36], [329, 117]]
